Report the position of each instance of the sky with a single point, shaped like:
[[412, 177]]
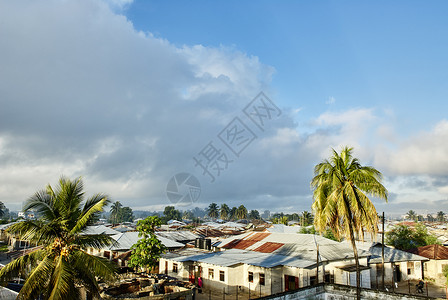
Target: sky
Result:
[[185, 103]]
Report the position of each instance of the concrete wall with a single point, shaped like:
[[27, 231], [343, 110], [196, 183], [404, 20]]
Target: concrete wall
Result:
[[338, 292], [433, 270]]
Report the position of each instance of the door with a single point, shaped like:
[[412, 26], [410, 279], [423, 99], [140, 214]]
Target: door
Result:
[[397, 273]]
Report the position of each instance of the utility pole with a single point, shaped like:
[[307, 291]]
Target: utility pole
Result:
[[382, 254]]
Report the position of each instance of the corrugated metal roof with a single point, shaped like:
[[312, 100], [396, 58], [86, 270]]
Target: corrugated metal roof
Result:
[[281, 228], [178, 235], [234, 257], [99, 229], [268, 247], [257, 236], [239, 244], [125, 240], [431, 251], [390, 254]]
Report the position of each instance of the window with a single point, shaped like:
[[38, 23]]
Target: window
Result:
[[106, 254], [251, 277], [211, 273], [261, 281], [425, 266], [410, 267], [175, 268], [221, 275]]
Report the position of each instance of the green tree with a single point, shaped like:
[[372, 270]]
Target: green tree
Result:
[[213, 210], [295, 217], [241, 212], [114, 212], [441, 216], [224, 211], [3, 210], [171, 213], [283, 220], [254, 214], [147, 251], [62, 267], [341, 185], [404, 237], [430, 218], [411, 215], [233, 213], [125, 215], [445, 272], [188, 215], [306, 218], [306, 230]]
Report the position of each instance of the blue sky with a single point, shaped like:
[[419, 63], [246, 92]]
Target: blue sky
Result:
[[372, 53], [127, 93]]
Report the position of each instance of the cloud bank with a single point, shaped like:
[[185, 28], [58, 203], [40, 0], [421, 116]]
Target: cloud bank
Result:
[[83, 93]]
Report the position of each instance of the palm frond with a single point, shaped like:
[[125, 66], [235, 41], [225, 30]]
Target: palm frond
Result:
[[92, 206]]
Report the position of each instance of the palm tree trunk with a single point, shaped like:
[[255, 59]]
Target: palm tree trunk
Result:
[[358, 273]]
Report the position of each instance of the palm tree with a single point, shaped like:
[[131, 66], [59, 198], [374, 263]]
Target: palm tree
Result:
[[212, 210], [2, 209], [224, 211], [115, 211], [283, 220], [341, 185], [441, 216], [241, 212], [411, 215], [233, 213], [61, 266], [306, 218]]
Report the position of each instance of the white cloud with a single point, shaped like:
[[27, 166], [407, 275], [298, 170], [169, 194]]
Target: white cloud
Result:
[[422, 153]]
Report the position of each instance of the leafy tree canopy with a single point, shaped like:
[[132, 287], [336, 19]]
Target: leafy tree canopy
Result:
[[62, 266], [404, 237], [171, 213], [147, 251]]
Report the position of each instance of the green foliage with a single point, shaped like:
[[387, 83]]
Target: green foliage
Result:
[[340, 199], [403, 237], [241, 212], [120, 214], [441, 216], [213, 210], [330, 235], [224, 212], [445, 272], [147, 251], [308, 230], [254, 215], [62, 266], [171, 213], [283, 220], [188, 215]]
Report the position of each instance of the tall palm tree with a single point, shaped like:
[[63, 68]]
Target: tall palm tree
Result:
[[61, 267], [2, 209], [341, 185], [411, 215], [224, 211], [233, 213], [441, 216], [213, 210], [115, 211], [241, 212], [306, 218]]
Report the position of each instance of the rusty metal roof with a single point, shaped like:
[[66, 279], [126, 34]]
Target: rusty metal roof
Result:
[[431, 251], [239, 244], [256, 237], [268, 247]]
